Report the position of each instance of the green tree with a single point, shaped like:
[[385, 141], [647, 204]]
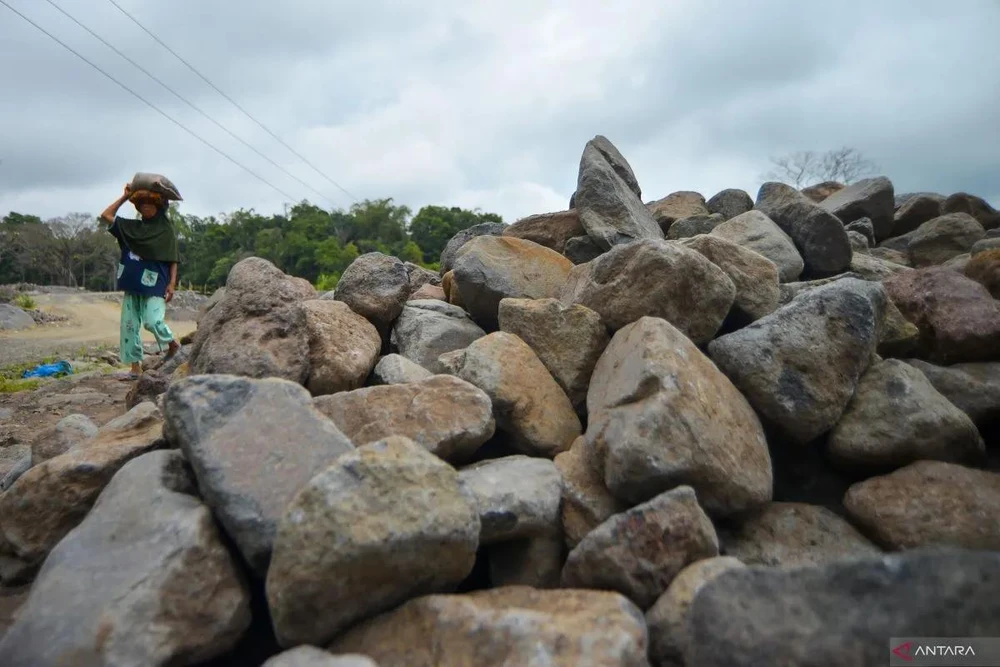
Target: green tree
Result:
[[433, 226]]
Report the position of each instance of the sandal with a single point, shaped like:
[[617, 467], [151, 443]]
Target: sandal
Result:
[[126, 376]]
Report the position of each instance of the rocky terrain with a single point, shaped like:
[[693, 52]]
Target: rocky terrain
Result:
[[733, 431]]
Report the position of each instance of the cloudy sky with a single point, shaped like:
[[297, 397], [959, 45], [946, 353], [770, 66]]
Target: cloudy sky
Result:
[[489, 104]]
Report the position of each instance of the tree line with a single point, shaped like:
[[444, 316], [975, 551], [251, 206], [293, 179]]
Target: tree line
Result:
[[305, 240]]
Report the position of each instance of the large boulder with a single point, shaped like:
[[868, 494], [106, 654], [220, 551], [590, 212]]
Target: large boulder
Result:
[[792, 535], [343, 347], [730, 203], [842, 614], [821, 191], [639, 552], [694, 225], [586, 501], [310, 656], [551, 230], [973, 388], [929, 503], [491, 268], [68, 432], [984, 268], [897, 417], [617, 161], [397, 369], [385, 523], [49, 500], [958, 319], [677, 206], [15, 460], [461, 238], [145, 579], [252, 445], [864, 227], [427, 329], [818, 234], [871, 198], [657, 279], [759, 233], [943, 238], [567, 339], [662, 414], [799, 366], [977, 207], [871, 267], [13, 318], [517, 625], [376, 287], [528, 403], [445, 415], [258, 327], [914, 212]]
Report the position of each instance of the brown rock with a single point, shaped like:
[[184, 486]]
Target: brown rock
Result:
[[375, 286], [586, 501], [677, 206], [929, 503], [730, 203], [977, 207], [984, 268], [428, 291], [450, 289], [958, 319], [551, 230], [343, 347], [871, 267], [887, 254], [759, 233], [915, 212], [821, 191], [938, 240], [445, 415], [69, 432]]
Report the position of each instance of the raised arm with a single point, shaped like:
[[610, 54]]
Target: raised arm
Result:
[[109, 213]]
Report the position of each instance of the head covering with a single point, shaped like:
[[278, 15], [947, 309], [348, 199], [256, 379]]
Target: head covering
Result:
[[140, 197], [154, 238]]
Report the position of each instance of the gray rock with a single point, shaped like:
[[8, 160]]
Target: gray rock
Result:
[[310, 656], [864, 227], [915, 211], [799, 366], [617, 162], [759, 233], [842, 614], [658, 279], [901, 199], [974, 388], [897, 417], [15, 460], [517, 497], [582, 249], [938, 240], [794, 535], [376, 287], [661, 414], [535, 562], [145, 579], [609, 209], [871, 198], [419, 276], [819, 235], [859, 243], [694, 225], [639, 552], [13, 318], [730, 203], [984, 244], [429, 328], [252, 444], [870, 267], [461, 238], [977, 207], [397, 369], [385, 523]]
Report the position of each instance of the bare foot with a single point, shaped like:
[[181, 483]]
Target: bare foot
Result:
[[172, 349]]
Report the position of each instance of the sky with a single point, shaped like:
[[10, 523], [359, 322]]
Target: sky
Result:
[[489, 104]]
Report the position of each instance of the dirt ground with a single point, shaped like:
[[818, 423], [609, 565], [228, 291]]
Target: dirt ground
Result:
[[93, 322]]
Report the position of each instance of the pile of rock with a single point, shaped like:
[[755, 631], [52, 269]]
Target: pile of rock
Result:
[[688, 432]]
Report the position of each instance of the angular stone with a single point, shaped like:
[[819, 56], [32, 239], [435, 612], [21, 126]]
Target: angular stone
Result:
[[821, 191], [864, 227], [586, 501], [694, 225], [310, 656], [343, 347], [428, 329], [984, 244], [977, 207], [870, 267], [617, 162], [451, 289], [383, 524], [759, 233], [50, 499], [656, 279], [958, 319], [667, 619], [984, 268], [252, 445], [661, 415], [491, 268], [794, 535], [871, 198], [938, 240], [528, 404], [376, 287], [551, 230], [897, 417], [730, 203], [799, 366], [397, 369], [68, 432], [901, 199], [929, 503], [517, 497], [819, 235], [148, 388], [13, 318], [428, 292], [567, 339], [755, 277], [582, 249], [639, 552], [419, 277], [145, 579], [677, 206], [859, 243], [914, 212], [887, 254], [524, 625], [609, 209], [461, 238], [447, 416], [535, 561], [842, 614], [257, 328], [973, 388]]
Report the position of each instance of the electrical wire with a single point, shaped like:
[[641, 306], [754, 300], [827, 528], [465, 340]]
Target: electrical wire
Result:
[[148, 103], [231, 100]]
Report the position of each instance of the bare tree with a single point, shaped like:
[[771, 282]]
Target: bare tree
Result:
[[844, 165]]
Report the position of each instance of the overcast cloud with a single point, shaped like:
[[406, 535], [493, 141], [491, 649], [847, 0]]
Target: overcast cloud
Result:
[[489, 104]]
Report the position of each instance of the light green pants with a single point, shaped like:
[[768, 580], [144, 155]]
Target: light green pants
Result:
[[142, 311]]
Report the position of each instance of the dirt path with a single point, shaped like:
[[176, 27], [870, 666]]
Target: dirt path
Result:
[[93, 322]]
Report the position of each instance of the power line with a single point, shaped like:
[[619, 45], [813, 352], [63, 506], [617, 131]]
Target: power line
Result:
[[182, 99], [231, 100], [147, 102]]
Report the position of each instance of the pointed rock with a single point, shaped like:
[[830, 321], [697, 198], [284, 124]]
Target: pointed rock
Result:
[[871, 198], [759, 233], [818, 234], [609, 209], [427, 329]]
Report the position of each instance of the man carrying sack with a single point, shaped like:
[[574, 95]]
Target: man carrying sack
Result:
[[147, 269]]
